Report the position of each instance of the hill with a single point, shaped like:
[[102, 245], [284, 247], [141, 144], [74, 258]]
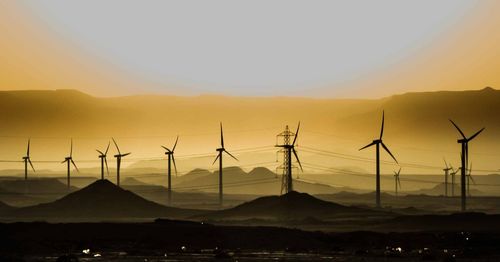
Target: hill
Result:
[[290, 207], [101, 199], [439, 190]]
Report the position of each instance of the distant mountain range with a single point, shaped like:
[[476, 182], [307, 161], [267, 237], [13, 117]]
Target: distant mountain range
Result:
[[417, 128]]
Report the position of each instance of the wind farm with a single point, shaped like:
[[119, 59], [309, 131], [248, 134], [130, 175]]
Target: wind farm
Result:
[[249, 131], [250, 194]]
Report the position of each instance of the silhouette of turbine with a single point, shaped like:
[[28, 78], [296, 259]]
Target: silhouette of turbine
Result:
[[221, 150], [446, 174], [27, 160], [118, 161], [69, 161], [464, 142], [452, 174], [288, 148], [397, 181], [377, 143], [104, 161], [171, 158], [470, 178]]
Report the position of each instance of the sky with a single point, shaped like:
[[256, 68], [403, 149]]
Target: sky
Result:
[[359, 49]]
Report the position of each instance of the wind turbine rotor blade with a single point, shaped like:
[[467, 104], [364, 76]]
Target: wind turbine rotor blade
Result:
[[31, 164], [175, 144], [388, 151], [221, 136], [106, 162], [382, 129], [297, 157], [296, 134], [126, 154], [116, 145], [473, 136], [446, 164], [399, 182], [231, 155], [369, 145], [462, 133], [175, 166], [98, 151], [28, 151], [399, 171], [107, 148], [73, 162], [64, 161], [164, 147], [218, 155]]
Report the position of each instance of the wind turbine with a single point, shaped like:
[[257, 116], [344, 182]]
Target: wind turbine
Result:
[[446, 174], [470, 178], [69, 161], [452, 174], [27, 160], [104, 161], [170, 154], [118, 161], [464, 141], [377, 143], [289, 149], [221, 150], [397, 181]]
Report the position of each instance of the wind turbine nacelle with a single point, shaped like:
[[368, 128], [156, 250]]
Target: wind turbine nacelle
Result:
[[377, 141]]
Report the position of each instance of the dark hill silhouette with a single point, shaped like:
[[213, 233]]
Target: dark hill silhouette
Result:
[[290, 206], [102, 199]]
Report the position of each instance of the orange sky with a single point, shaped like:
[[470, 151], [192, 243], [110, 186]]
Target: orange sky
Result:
[[33, 56]]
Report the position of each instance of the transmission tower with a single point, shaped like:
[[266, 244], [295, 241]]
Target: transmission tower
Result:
[[287, 148]]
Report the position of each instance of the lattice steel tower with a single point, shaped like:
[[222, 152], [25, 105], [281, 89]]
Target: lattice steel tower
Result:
[[287, 150]]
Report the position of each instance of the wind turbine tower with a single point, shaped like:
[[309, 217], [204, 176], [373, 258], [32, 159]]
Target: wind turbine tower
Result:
[[452, 174], [27, 160], [170, 154], [377, 143], [118, 161], [69, 161], [470, 178], [104, 161], [220, 152], [446, 174], [287, 150], [464, 142], [397, 181]]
